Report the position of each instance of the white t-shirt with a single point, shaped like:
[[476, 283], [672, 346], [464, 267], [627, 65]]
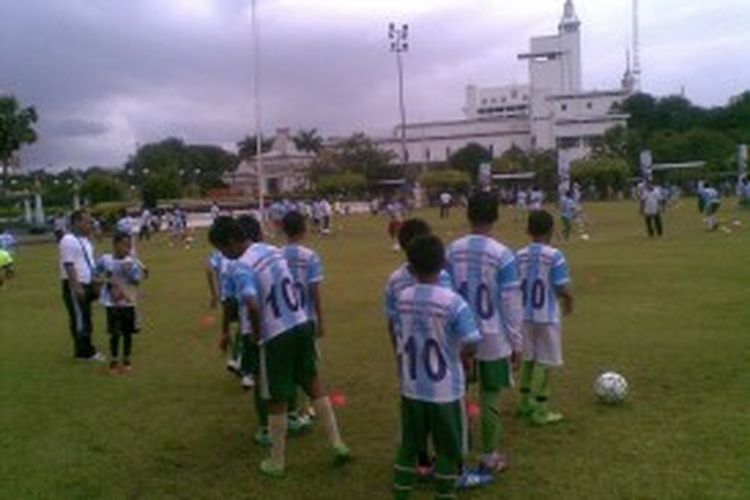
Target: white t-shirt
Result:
[[79, 251], [652, 201], [446, 198]]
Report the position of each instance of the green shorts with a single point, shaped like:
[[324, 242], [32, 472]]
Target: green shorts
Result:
[[445, 423], [287, 361], [495, 375]]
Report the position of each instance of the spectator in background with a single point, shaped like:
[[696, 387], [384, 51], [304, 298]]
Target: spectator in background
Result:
[[445, 204], [652, 205], [78, 287]]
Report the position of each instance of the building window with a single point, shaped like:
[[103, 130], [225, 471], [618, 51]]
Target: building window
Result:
[[525, 97], [589, 105], [504, 99], [427, 154], [513, 94], [406, 156], [447, 152], [492, 150], [563, 107], [484, 101]]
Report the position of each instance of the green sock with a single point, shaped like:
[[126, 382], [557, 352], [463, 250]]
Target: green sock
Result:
[[404, 475], [261, 408], [542, 391], [527, 375], [446, 475], [491, 423]]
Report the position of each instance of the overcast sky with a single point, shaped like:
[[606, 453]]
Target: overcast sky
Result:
[[105, 75]]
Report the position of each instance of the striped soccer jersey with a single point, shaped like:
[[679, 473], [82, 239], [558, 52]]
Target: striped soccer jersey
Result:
[[431, 325], [543, 269], [306, 269], [484, 272], [262, 273]]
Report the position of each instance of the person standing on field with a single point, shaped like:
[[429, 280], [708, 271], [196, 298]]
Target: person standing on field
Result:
[[445, 204], [78, 290], [652, 205]]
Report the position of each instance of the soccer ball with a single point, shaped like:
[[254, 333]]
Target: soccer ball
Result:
[[611, 388], [585, 237]]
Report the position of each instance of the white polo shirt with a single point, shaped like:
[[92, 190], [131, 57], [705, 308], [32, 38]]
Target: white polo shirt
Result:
[[79, 251]]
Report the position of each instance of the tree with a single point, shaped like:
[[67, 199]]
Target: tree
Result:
[[246, 148], [511, 161], [343, 183], [100, 188], [16, 129], [356, 154], [469, 157], [439, 180], [308, 140], [606, 173]]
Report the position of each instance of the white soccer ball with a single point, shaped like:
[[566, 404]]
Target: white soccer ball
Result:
[[585, 237], [611, 388]]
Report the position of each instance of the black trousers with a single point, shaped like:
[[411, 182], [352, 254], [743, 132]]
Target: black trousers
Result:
[[79, 318], [445, 211], [653, 224]]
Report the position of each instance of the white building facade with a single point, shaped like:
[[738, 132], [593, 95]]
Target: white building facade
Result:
[[552, 111]]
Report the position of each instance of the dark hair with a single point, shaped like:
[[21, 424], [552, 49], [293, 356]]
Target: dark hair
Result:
[[541, 223], [410, 229], [119, 236], [483, 208], [225, 230], [426, 255], [77, 216], [293, 224], [250, 228]]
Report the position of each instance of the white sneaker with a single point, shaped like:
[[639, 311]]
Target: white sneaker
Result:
[[233, 365], [247, 382], [97, 358]]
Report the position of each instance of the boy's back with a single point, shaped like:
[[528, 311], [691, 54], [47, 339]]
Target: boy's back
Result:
[[306, 268], [431, 325], [481, 269], [543, 269]]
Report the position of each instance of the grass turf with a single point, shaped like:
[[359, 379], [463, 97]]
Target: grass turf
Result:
[[672, 315]]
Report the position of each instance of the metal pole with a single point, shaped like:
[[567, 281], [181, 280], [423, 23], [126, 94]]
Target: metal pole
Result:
[[256, 98], [402, 108]]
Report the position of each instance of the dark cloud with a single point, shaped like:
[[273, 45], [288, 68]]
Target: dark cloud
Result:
[[107, 75]]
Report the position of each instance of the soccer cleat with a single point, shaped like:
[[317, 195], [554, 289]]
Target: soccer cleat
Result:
[[545, 417], [341, 453], [97, 358], [270, 469], [127, 367], [297, 424], [493, 463], [113, 367], [525, 408], [263, 438], [471, 479], [233, 366], [247, 382]]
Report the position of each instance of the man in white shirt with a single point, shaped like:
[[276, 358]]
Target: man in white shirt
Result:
[[77, 273], [652, 204], [445, 204]]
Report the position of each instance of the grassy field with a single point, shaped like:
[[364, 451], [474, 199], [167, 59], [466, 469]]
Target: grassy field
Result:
[[672, 315]]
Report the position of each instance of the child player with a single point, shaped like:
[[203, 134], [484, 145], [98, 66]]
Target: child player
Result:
[[545, 278], [306, 269], [284, 332], [433, 332], [121, 273], [402, 278], [485, 273]]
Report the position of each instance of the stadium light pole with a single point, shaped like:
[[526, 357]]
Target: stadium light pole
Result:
[[399, 44], [256, 98]]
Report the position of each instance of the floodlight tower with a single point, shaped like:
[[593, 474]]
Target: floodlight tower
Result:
[[636, 48], [399, 44], [256, 98]]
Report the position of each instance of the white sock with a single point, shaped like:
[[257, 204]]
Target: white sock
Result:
[[277, 428], [325, 414]]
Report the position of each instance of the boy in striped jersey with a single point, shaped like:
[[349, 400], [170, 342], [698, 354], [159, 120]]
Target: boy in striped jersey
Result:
[[307, 271], [284, 332], [400, 279], [545, 278], [433, 334], [485, 273], [220, 292]]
